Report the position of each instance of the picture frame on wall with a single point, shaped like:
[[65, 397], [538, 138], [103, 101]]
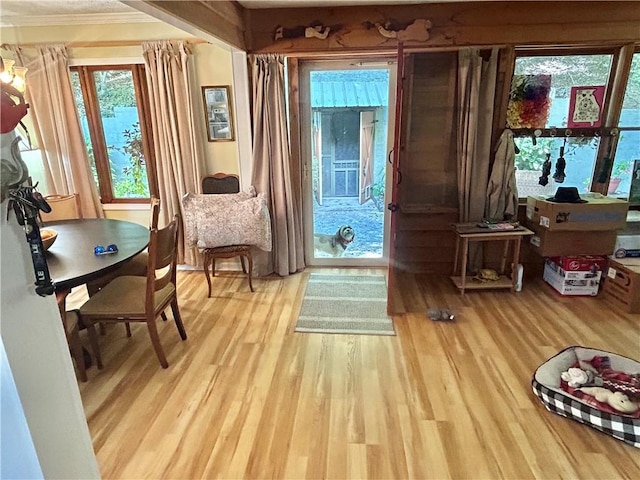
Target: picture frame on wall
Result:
[[218, 113]]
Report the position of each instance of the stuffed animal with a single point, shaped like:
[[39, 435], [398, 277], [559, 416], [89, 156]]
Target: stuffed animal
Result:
[[576, 377], [618, 401], [440, 315], [487, 275]]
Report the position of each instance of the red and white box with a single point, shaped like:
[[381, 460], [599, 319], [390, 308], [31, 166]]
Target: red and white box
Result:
[[575, 275], [581, 263]]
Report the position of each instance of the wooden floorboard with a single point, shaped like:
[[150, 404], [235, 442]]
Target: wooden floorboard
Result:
[[247, 397]]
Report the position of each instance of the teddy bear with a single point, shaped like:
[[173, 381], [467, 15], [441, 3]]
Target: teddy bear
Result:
[[616, 400], [576, 377]]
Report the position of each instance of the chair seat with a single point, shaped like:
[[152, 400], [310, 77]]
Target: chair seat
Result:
[[136, 267], [124, 297], [226, 249]]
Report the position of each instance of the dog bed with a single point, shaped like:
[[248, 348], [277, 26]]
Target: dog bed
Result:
[[560, 398]]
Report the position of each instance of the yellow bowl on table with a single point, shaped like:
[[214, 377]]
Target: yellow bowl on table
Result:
[[48, 237]]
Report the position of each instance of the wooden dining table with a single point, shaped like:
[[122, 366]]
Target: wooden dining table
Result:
[[71, 259]]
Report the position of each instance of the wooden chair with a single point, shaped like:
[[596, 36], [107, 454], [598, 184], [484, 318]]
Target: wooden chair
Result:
[[137, 266], [142, 299], [71, 325], [221, 183], [63, 207]]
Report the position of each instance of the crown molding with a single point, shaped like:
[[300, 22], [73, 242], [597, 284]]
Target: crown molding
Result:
[[75, 19]]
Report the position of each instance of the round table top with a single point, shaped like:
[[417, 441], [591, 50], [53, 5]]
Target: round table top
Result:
[[71, 259]]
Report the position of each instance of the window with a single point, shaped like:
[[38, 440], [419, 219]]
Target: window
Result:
[[110, 105], [549, 124], [626, 167]]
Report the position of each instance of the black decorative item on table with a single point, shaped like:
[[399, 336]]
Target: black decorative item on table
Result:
[[26, 202]]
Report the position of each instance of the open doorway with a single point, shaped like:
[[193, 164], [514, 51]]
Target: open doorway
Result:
[[346, 119]]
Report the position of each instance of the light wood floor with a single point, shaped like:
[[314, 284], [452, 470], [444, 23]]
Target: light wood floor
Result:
[[246, 397]]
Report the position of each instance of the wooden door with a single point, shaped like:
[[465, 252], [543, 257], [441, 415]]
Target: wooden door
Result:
[[396, 177]]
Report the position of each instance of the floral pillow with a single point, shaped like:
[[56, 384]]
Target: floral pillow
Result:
[[218, 220]]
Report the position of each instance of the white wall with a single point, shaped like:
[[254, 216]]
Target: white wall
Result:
[[18, 457], [39, 359]]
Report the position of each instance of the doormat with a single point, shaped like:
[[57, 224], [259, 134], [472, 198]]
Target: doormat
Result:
[[349, 304]]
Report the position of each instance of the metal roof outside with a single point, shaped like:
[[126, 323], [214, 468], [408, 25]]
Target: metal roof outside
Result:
[[349, 88]]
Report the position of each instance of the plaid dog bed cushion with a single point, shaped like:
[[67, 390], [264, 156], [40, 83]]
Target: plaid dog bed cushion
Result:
[[546, 386]]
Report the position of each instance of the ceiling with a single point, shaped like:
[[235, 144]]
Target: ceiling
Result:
[[63, 12]]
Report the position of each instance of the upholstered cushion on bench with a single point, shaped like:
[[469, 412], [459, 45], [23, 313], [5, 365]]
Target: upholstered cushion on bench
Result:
[[227, 219]]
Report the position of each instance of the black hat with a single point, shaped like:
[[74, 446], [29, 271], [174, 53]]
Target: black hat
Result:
[[566, 195]]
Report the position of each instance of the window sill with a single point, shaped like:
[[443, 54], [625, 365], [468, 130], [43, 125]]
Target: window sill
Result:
[[124, 206]]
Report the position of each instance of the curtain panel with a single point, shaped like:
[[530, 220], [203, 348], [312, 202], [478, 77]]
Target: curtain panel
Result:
[[272, 167], [57, 126], [176, 140], [476, 95]]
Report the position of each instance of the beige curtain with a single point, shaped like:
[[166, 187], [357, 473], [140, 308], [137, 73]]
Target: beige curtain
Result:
[[273, 171], [502, 192], [176, 139], [57, 126], [476, 94]]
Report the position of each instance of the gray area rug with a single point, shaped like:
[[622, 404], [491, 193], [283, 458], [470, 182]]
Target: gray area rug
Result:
[[351, 304]]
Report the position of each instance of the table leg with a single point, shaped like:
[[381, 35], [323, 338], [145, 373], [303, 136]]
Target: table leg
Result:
[[505, 252], [455, 259], [465, 258], [514, 265]]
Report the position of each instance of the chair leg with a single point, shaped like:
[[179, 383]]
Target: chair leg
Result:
[[155, 340], [128, 328], [250, 272], [206, 262], [93, 341], [103, 331], [178, 319], [78, 355], [244, 269], [164, 316]]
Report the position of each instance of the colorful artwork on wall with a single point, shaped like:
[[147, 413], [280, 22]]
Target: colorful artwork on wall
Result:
[[585, 106], [529, 101]]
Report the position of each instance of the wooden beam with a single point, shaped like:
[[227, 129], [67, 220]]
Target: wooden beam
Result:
[[222, 19], [454, 25]]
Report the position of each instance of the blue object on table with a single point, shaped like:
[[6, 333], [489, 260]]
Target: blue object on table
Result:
[[101, 250]]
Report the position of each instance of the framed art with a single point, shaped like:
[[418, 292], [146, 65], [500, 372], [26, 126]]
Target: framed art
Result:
[[218, 114], [585, 106]]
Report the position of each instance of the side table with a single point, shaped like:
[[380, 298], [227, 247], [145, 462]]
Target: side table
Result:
[[470, 232]]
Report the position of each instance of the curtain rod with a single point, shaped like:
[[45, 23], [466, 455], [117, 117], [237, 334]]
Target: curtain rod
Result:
[[101, 44]]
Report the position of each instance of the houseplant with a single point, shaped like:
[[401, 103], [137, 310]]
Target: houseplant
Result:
[[621, 169]]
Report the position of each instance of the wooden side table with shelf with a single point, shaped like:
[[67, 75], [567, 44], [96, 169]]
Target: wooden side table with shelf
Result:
[[471, 232]]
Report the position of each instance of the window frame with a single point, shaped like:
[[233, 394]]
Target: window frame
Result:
[[96, 131], [612, 104]]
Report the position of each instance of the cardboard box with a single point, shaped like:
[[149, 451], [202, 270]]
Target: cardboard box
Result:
[[622, 284], [552, 244], [584, 283], [627, 245], [600, 213]]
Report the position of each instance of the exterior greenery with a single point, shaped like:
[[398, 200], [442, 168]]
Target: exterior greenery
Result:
[[132, 180]]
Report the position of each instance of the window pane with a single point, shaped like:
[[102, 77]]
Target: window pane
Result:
[[121, 125], [627, 152], [630, 116], [84, 124], [541, 87], [579, 155]]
